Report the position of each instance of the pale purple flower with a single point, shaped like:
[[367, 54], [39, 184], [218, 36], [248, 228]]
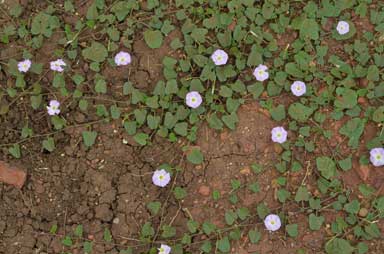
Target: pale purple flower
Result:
[[161, 177], [298, 88], [342, 27], [377, 156], [122, 58], [53, 108], [164, 249], [261, 73], [219, 57], [272, 222], [193, 99], [24, 66], [279, 135], [58, 65]]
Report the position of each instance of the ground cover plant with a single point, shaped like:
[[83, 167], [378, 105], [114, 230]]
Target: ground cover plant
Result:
[[193, 126]]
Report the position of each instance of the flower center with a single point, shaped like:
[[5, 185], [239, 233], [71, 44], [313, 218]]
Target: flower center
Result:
[[122, 59], [279, 135], [193, 99], [272, 222], [25, 65], [57, 64], [261, 72], [219, 58], [161, 177], [53, 107], [298, 88], [161, 250], [378, 157]]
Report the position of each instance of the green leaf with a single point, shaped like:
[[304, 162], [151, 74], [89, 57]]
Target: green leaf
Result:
[[141, 138], [302, 194], [362, 248], [208, 228], [347, 98], [262, 210], [243, 213], [326, 166], [36, 101], [154, 207], [96, 52], [192, 226], [153, 121], [89, 138], [378, 115], [181, 129], [353, 129], [49, 144], [352, 207], [255, 57], [230, 217], [254, 236], [168, 231], [153, 38], [79, 231], [230, 120], [346, 164], [215, 122], [224, 245], [195, 156], [107, 236], [278, 113], [179, 193], [15, 151], [206, 247], [87, 247], [292, 230], [293, 70], [309, 29], [53, 229], [115, 112], [315, 222], [198, 34], [147, 230], [299, 112], [338, 246], [67, 241], [101, 86]]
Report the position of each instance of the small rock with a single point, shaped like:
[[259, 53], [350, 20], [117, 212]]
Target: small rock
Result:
[[204, 190], [245, 171], [363, 172], [363, 212], [363, 82], [12, 175], [278, 148], [103, 212]]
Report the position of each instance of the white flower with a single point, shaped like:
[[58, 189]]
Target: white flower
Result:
[[24, 66], [377, 156], [298, 88], [58, 65], [272, 222], [219, 57], [122, 58], [53, 108], [279, 135], [261, 73], [161, 178], [342, 27], [164, 249], [193, 99]]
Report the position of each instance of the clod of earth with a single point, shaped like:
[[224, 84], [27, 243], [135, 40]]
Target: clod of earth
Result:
[[12, 175]]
